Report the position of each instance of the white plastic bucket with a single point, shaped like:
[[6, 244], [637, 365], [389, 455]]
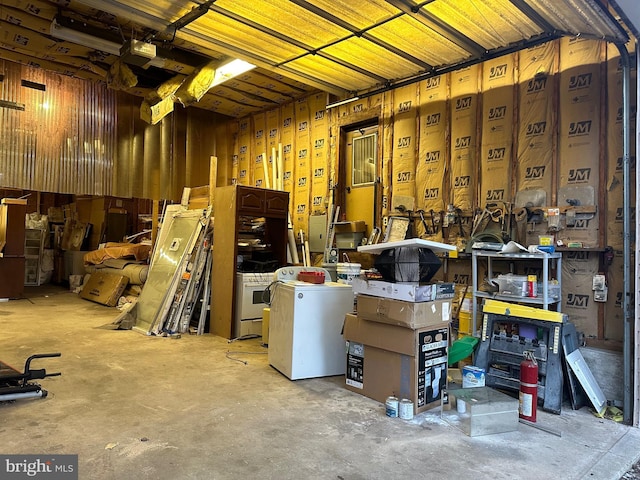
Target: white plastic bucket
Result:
[[346, 272]]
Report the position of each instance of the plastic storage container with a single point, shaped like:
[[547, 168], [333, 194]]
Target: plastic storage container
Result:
[[481, 411], [346, 272], [510, 284], [311, 277]]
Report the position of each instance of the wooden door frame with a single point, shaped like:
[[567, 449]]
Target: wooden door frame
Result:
[[368, 119]]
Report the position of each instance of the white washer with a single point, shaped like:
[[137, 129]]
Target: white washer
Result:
[[305, 328]]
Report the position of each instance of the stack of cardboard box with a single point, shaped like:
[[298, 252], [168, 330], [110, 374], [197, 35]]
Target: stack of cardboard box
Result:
[[397, 341]]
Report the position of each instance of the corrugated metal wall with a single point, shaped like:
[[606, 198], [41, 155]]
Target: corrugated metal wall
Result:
[[58, 136], [65, 135], [158, 161]]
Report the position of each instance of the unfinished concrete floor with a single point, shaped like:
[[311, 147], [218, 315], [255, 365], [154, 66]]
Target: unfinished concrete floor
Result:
[[143, 407]]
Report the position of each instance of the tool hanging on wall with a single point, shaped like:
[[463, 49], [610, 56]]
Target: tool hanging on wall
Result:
[[435, 222], [305, 252], [520, 218], [459, 222], [427, 230]]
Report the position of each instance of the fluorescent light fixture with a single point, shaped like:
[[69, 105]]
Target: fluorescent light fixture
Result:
[[342, 102], [84, 39], [229, 70]]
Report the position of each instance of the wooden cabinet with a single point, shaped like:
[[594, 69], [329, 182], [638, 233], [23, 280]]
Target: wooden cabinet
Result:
[[12, 237], [232, 207]]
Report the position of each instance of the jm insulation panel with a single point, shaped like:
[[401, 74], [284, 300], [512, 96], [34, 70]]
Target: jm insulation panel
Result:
[[259, 152], [319, 152], [535, 132], [404, 134], [613, 308], [614, 185], [432, 151], [234, 159], [464, 107], [273, 122], [244, 152], [497, 130], [273, 140], [287, 137], [579, 133], [578, 269], [303, 166]]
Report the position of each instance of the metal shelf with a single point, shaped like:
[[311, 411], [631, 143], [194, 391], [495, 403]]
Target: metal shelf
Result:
[[543, 301], [515, 299]]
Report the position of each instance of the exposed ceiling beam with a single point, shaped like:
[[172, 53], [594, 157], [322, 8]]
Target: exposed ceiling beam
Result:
[[186, 19], [361, 33], [439, 27], [188, 34], [533, 15], [309, 50], [498, 52]]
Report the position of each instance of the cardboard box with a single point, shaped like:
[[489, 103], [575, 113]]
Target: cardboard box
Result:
[[349, 234], [351, 240], [407, 291], [404, 314], [385, 360], [350, 227], [104, 288]]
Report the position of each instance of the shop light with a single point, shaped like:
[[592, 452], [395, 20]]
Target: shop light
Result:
[[84, 39], [230, 70], [342, 102], [223, 73]]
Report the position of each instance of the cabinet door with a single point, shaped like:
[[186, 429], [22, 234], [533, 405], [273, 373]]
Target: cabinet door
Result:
[[250, 200], [277, 203], [14, 229]]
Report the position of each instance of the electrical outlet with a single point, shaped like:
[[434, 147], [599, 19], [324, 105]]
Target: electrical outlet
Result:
[[599, 282], [600, 295]]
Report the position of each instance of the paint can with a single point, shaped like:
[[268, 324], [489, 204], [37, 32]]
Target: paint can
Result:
[[391, 406], [346, 272], [405, 410]]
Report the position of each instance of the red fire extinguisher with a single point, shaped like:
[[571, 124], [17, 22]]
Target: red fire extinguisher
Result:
[[528, 386]]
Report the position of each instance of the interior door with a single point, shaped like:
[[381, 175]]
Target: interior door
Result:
[[361, 173]]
